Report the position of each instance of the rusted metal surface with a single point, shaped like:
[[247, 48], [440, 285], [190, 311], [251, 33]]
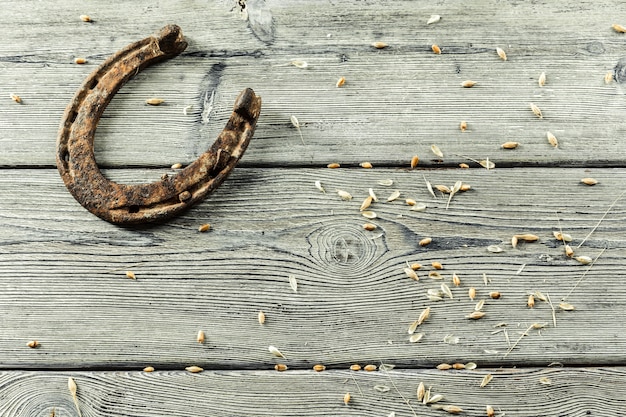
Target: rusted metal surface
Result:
[[131, 204]]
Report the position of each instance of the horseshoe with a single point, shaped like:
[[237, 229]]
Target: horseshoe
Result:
[[132, 204]]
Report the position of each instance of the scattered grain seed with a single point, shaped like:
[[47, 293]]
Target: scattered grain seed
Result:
[[446, 290], [434, 298], [424, 315], [355, 367], [319, 367], [130, 274], [177, 165], [366, 203], [386, 183], [369, 214], [542, 79], [463, 127], [434, 291], [410, 202], [514, 241], [609, 77], [536, 110], [468, 83], [589, 181], [540, 296], [299, 64], [434, 18], [444, 366], [436, 49], [566, 306], [274, 351], [486, 379], [333, 165], [510, 145], [16, 98], [479, 305], [370, 368], [394, 196], [200, 337], [444, 189], [618, 28], [476, 315], [374, 198], [369, 226], [148, 369], [485, 279], [471, 366], [487, 164], [418, 207], [569, 252], [382, 388], [413, 327], [435, 149], [346, 398], [414, 161], [463, 166], [340, 82], [319, 186], [421, 390], [437, 265], [452, 409], [261, 317], [379, 45], [545, 380], [490, 411], [296, 124], [33, 344], [456, 280], [495, 295], [193, 369], [435, 399], [472, 293], [85, 18], [552, 140], [155, 101], [531, 301], [344, 195], [204, 227], [563, 237], [458, 366], [494, 249], [411, 274], [501, 53], [293, 283], [416, 337], [80, 61], [426, 397], [435, 275], [415, 266], [426, 241], [366, 165], [538, 325], [585, 260], [71, 385], [280, 367]]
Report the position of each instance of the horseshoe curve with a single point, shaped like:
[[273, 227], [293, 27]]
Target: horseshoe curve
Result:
[[143, 203]]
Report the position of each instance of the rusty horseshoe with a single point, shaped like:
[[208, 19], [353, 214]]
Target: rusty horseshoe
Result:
[[131, 204]]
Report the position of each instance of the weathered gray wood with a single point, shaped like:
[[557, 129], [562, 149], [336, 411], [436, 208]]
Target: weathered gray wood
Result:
[[572, 392], [63, 283], [396, 102]]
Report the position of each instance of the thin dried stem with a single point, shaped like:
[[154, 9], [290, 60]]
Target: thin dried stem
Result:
[[518, 340], [408, 403], [601, 218], [583, 275]]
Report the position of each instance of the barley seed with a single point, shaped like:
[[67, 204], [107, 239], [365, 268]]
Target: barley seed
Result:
[[436, 49], [155, 101]]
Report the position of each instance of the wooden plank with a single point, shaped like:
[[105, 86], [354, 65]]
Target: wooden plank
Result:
[[63, 283], [573, 392], [396, 102]]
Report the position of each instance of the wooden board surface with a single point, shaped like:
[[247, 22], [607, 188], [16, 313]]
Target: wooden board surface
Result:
[[577, 392], [63, 271], [396, 101]]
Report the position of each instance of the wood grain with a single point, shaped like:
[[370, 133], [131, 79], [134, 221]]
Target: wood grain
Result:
[[575, 392], [396, 101], [63, 282]]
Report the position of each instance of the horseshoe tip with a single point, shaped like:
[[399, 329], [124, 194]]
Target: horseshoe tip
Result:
[[171, 40], [248, 104]]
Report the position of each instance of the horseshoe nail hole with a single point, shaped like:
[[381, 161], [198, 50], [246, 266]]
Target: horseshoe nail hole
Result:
[[94, 83], [66, 156], [72, 116], [133, 209]]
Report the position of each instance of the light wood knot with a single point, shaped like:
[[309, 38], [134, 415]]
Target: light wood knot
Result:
[[346, 247]]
